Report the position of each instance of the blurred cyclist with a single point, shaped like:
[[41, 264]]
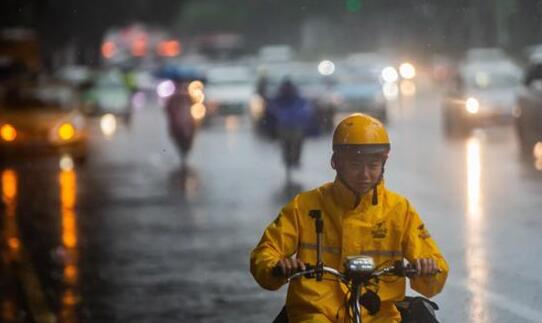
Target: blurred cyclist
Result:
[[361, 217], [181, 124], [290, 116]]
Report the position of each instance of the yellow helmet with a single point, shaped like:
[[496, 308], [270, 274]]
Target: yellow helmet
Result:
[[363, 133]]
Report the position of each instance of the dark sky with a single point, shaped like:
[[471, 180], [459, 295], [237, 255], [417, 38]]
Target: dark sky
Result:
[[443, 25]]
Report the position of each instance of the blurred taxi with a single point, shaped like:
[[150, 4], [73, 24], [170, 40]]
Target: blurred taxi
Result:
[[483, 94], [38, 119]]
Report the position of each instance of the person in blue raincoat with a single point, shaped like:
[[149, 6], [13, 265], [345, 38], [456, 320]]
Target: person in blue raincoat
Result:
[[291, 116]]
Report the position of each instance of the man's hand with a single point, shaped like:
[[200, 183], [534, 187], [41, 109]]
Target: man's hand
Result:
[[290, 266], [426, 266]]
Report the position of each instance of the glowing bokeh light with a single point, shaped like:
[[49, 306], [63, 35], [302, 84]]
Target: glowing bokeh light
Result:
[[472, 105], [198, 111], [108, 125], [407, 71], [389, 74], [8, 133], [165, 89], [326, 67], [66, 131]]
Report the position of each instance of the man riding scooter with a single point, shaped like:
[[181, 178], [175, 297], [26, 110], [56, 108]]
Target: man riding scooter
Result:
[[290, 115]]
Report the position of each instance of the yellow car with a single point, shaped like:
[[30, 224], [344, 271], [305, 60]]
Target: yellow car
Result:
[[41, 119]]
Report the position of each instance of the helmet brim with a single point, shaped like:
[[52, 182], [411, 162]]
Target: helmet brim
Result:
[[363, 149]]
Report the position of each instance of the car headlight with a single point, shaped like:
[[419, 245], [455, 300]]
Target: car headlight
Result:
[[8, 132], [326, 67], [407, 71], [389, 74], [66, 131], [472, 105]]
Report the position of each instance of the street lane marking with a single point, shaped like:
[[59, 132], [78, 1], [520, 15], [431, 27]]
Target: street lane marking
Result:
[[502, 302]]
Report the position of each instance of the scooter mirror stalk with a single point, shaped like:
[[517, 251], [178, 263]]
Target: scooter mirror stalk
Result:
[[319, 224]]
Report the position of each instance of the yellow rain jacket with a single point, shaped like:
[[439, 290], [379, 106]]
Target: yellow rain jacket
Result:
[[388, 231]]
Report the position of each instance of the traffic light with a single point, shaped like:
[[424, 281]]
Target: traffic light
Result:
[[353, 5]]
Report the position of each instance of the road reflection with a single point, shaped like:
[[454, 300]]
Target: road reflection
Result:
[[408, 88], [186, 179], [476, 259], [70, 297], [11, 246], [9, 197], [231, 123]]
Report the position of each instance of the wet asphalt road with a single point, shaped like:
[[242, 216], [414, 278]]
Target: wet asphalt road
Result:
[[130, 237]]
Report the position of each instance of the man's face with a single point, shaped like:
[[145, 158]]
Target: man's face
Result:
[[360, 172]]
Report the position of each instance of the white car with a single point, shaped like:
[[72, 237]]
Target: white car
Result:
[[107, 93], [485, 54], [484, 94], [228, 90], [358, 89]]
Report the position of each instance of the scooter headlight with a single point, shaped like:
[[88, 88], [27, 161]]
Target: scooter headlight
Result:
[[360, 264]]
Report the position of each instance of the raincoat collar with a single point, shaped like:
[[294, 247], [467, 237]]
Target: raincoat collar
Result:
[[346, 199]]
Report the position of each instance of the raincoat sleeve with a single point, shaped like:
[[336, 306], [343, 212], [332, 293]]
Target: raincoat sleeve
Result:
[[279, 240], [418, 243]]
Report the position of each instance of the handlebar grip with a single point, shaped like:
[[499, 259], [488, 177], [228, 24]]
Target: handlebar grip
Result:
[[406, 270], [277, 272], [401, 270], [410, 270]]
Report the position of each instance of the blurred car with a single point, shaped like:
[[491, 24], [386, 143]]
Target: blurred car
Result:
[[377, 63], [358, 89], [485, 54], [528, 115], [533, 52], [228, 90], [275, 53], [482, 94], [107, 93], [42, 119], [75, 75]]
